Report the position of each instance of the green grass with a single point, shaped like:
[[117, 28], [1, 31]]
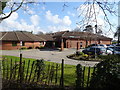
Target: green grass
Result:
[[69, 70]]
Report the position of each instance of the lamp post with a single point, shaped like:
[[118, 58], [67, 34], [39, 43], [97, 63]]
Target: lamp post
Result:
[[62, 44], [95, 40], [20, 68], [20, 47]]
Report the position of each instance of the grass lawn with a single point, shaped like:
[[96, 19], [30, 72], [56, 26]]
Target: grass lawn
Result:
[[69, 70]]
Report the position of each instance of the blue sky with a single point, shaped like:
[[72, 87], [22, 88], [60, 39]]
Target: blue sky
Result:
[[49, 17]]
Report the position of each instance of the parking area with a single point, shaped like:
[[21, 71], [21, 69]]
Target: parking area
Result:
[[49, 55]]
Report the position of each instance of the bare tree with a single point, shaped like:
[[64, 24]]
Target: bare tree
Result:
[[91, 9], [12, 8], [117, 34], [88, 28], [40, 33]]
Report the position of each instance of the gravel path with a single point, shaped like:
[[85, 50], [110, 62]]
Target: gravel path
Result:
[[49, 55]]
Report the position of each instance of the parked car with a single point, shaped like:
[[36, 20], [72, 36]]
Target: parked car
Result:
[[109, 45], [103, 45], [98, 49], [114, 49]]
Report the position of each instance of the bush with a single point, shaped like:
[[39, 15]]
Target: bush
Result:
[[30, 47], [23, 48], [70, 56], [107, 74], [41, 47], [37, 47], [85, 55]]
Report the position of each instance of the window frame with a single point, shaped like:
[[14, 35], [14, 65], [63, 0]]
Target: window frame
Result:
[[14, 43]]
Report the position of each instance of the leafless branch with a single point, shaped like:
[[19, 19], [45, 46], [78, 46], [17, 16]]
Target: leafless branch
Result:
[[2, 18], [89, 14]]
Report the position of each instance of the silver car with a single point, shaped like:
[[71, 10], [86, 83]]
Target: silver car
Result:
[[115, 50]]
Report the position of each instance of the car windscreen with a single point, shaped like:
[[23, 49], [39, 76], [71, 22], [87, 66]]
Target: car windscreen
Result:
[[117, 48], [103, 49], [93, 49], [110, 49]]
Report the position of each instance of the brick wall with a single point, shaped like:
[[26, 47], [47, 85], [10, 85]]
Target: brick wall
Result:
[[72, 43], [8, 45]]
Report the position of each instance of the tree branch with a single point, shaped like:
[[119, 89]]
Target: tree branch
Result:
[[2, 18]]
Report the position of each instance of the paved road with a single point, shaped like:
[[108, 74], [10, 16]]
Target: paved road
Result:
[[49, 55]]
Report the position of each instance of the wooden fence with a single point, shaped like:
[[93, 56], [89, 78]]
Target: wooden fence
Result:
[[27, 72]]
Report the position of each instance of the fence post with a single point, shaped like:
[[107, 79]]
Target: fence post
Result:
[[79, 76], [62, 74], [56, 74], [88, 76], [20, 68]]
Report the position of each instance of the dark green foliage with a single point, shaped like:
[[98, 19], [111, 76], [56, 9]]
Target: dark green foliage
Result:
[[79, 53], [107, 74], [79, 76], [22, 48], [3, 5], [40, 66]]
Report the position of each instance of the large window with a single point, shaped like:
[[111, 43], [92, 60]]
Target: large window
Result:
[[14, 43]]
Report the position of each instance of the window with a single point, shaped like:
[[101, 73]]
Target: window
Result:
[[41, 43], [23, 43], [88, 49], [80, 44], [14, 43]]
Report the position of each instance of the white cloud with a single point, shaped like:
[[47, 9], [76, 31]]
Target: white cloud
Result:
[[14, 16], [58, 28], [66, 20], [31, 12], [72, 14], [12, 23], [56, 20], [43, 8], [35, 19]]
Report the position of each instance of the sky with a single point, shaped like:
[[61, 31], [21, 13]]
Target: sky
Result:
[[52, 17]]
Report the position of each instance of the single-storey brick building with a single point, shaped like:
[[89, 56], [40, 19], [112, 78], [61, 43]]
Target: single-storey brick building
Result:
[[48, 40], [64, 39], [19, 39], [70, 39]]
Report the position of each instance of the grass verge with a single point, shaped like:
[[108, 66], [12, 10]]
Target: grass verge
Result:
[[69, 70]]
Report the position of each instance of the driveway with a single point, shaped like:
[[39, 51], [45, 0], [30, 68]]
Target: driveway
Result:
[[50, 55]]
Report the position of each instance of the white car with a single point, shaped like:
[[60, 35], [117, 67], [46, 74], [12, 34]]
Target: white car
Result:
[[109, 52]]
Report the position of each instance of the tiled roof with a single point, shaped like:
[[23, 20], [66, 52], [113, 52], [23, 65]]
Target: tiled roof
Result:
[[82, 35], [27, 36], [46, 37], [19, 36]]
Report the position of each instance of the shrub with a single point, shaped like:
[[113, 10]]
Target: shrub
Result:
[[79, 53], [37, 47], [107, 74], [23, 48], [30, 47], [41, 47], [85, 55], [70, 56]]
